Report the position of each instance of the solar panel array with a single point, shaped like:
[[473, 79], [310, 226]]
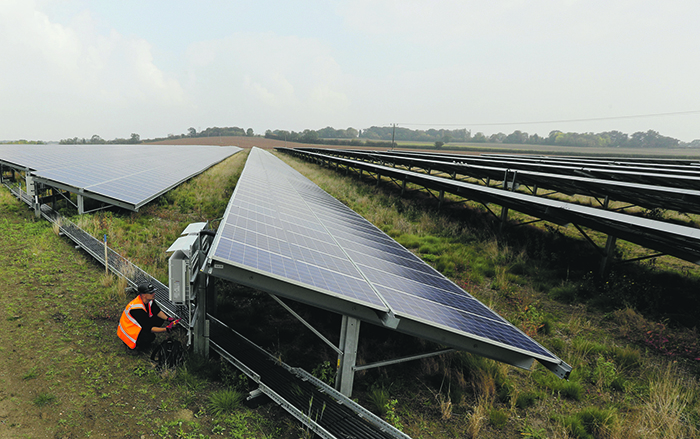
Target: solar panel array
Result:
[[679, 192], [678, 175], [132, 174], [280, 224], [676, 240]]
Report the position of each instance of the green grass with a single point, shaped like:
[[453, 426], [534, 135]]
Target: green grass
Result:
[[225, 401], [43, 399]]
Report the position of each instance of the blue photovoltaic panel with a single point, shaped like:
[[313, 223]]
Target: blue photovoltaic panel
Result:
[[268, 227], [279, 222], [133, 174]]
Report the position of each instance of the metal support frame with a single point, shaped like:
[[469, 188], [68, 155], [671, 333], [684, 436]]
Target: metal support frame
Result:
[[203, 289], [349, 338], [402, 359], [590, 241], [307, 324], [81, 202], [608, 255]]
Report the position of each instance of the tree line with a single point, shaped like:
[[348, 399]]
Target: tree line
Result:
[[97, 140], [384, 136], [374, 134]]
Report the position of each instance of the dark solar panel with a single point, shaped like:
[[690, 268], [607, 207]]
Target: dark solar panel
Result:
[[281, 224], [133, 174]]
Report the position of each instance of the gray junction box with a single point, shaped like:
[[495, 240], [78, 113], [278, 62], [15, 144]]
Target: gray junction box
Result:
[[180, 264]]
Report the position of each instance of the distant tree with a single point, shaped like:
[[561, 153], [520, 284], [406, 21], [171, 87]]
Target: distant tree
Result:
[[249, 132], [479, 138], [191, 132], [551, 139], [309, 136], [351, 133], [96, 139], [497, 138], [439, 144], [135, 138], [517, 136]]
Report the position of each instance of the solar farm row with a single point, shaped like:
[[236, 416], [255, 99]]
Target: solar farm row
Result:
[[282, 234], [670, 166], [128, 176], [650, 196], [676, 240], [685, 176]]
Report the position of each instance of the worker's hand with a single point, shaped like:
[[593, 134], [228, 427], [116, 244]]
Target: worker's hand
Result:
[[171, 325], [170, 319]]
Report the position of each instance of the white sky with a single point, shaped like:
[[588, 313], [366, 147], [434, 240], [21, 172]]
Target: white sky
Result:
[[79, 67]]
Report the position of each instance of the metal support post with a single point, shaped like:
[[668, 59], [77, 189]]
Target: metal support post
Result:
[[504, 218], [349, 337], [607, 257], [202, 291], [81, 203]]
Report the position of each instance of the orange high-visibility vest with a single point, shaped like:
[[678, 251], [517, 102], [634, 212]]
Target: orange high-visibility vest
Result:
[[129, 328]]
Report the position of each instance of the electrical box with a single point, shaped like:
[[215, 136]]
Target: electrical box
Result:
[[179, 277], [30, 185], [180, 263]]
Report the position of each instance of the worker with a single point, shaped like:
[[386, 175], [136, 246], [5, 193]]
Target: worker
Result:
[[142, 319]]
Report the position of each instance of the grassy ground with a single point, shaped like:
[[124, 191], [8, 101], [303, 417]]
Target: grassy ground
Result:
[[65, 374]]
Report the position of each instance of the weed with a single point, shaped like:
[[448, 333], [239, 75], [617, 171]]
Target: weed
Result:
[[604, 373], [591, 423], [498, 418], [225, 401], [627, 359], [379, 398], [189, 381], [31, 373], [564, 293], [392, 416], [534, 433], [526, 399], [325, 372], [43, 399], [311, 417]]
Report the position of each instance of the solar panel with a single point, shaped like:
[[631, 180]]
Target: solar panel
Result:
[[131, 174], [281, 225], [642, 194]]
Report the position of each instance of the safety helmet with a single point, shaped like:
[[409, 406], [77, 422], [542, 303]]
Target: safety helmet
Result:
[[146, 288]]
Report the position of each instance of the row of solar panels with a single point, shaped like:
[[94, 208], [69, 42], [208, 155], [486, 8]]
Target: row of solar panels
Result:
[[282, 234], [128, 176], [618, 168], [676, 240], [648, 195]]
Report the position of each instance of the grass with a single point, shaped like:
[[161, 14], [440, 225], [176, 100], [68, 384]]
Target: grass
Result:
[[225, 401], [43, 399], [632, 377]]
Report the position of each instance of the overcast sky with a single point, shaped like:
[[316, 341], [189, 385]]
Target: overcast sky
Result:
[[78, 67]]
